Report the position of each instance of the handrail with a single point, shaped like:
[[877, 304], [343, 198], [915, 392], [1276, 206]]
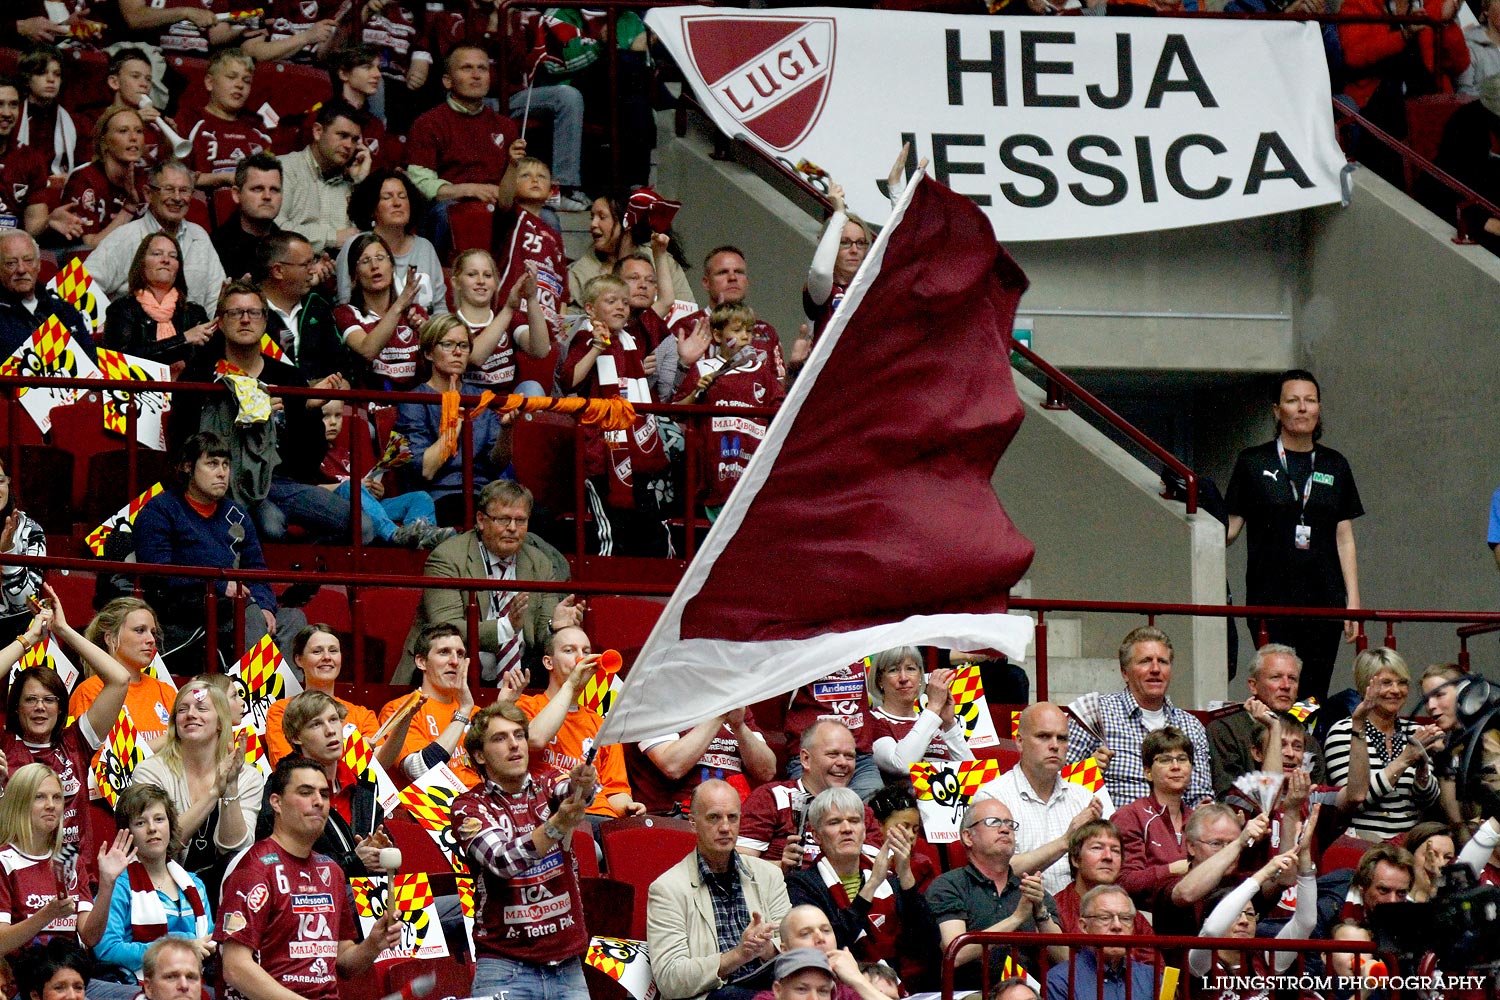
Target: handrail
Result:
[[1467, 196], [1060, 387], [1467, 632]]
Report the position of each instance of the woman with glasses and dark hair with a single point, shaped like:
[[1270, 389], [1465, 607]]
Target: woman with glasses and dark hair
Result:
[[388, 204], [37, 730], [378, 322], [157, 321]]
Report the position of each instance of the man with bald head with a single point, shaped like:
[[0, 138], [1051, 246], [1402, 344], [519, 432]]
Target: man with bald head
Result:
[[986, 895], [712, 918], [1048, 808]]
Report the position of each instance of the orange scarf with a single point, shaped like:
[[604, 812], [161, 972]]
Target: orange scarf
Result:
[[161, 311]]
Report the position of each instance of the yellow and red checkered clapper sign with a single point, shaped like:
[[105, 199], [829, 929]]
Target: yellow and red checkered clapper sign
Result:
[[1302, 709], [1015, 723], [413, 894], [123, 750], [50, 341], [116, 368], [623, 960], [429, 800], [222, 367], [256, 754], [1086, 773], [971, 708], [266, 679], [74, 285], [354, 765], [971, 774], [270, 348], [598, 695], [125, 515]]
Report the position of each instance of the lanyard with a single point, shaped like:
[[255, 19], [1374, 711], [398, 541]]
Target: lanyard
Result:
[[1312, 464]]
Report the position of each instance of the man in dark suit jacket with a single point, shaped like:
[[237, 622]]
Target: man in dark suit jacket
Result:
[[25, 303], [499, 537]]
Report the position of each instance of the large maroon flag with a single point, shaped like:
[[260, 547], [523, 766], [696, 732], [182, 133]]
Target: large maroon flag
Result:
[[866, 519]]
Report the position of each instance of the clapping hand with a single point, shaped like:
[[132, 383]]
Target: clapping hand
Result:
[[368, 849], [693, 344]]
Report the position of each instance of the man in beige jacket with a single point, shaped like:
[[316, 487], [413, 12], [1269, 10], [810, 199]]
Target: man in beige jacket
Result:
[[711, 919]]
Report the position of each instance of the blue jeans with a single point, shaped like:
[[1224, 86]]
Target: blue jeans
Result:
[[389, 512], [522, 981], [565, 105], [310, 507], [867, 779]]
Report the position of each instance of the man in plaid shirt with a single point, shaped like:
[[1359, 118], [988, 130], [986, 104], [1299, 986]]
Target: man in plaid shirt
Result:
[[1125, 717], [529, 934]]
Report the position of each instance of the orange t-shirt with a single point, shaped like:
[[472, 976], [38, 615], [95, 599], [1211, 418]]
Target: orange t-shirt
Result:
[[277, 745], [148, 706], [566, 751], [427, 726]]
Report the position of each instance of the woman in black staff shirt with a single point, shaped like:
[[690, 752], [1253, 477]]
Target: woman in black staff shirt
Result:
[[1299, 501]]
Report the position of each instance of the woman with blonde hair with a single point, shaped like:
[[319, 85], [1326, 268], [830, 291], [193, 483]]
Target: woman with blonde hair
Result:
[[39, 880], [1402, 783], [159, 897], [493, 356], [127, 629], [202, 767]]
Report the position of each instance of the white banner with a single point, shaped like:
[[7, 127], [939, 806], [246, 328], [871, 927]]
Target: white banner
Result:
[[1058, 127]]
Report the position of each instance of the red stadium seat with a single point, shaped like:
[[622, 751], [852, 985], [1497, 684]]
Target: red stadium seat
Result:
[[107, 481], [543, 459], [1343, 853], [386, 614], [608, 902], [472, 225], [44, 485], [1426, 118], [623, 623], [80, 428], [584, 854], [638, 850], [454, 979]]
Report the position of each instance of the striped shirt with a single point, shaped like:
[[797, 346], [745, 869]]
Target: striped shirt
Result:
[[1392, 808]]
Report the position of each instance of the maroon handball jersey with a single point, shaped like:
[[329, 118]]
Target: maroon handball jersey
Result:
[[532, 240], [721, 759], [396, 367], [28, 883], [840, 696], [23, 183], [896, 728], [537, 915], [292, 912], [731, 441], [69, 760], [462, 148], [99, 199], [763, 337], [219, 144]]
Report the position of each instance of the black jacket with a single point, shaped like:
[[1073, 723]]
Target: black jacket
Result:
[[17, 325], [127, 328]]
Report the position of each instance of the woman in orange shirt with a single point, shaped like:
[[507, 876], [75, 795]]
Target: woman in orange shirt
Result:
[[317, 651]]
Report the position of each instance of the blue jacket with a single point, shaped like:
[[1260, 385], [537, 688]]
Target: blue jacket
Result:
[[119, 947], [168, 532]]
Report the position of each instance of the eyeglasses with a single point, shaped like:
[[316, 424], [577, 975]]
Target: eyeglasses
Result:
[[453, 346], [1109, 919], [851, 244], [244, 314], [506, 522], [295, 263], [1216, 844], [171, 192], [1173, 758], [372, 260], [32, 701], [997, 822]]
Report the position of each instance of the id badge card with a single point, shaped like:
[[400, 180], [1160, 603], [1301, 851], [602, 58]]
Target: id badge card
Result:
[[1302, 536]]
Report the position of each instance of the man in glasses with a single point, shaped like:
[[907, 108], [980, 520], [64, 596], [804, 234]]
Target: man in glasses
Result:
[[514, 627], [986, 895], [25, 303], [169, 187], [1103, 973], [277, 458], [299, 317]]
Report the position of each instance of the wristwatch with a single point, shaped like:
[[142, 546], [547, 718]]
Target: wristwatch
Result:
[[551, 830]]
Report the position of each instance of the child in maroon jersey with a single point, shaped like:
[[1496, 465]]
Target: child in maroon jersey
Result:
[[61, 136], [224, 134], [735, 374], [531, 240]]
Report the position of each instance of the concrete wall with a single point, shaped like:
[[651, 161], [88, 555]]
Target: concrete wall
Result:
[[1102, 533], [1399, 325]]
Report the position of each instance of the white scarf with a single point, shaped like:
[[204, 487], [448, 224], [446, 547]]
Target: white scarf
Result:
[[64, 139]]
